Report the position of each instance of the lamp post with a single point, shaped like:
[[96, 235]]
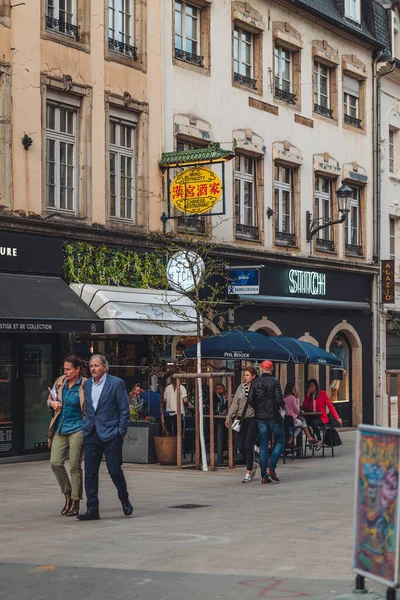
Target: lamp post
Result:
[[343, 195]]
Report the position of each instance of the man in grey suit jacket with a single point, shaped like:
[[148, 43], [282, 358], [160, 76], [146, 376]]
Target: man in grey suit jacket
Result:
[[106, 423]]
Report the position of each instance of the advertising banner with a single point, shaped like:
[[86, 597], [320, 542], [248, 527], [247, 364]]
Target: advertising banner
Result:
[[244, 281]]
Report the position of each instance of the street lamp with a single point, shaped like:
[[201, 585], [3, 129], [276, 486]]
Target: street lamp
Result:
[[343, 195]]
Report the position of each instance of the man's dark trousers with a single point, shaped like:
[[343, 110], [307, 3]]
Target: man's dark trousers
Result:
[[94, 449]]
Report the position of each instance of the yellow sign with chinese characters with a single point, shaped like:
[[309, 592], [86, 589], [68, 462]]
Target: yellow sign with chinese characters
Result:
[[196, 190]]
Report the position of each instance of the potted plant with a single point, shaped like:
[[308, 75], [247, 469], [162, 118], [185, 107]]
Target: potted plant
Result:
[[139, 441]]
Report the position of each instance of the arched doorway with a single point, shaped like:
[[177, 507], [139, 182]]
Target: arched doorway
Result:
[[267, 327], [346, 393]]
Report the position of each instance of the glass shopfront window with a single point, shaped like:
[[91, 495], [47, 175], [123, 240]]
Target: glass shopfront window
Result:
[[37, 377]]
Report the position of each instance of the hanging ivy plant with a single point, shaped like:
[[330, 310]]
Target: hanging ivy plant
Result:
[[100, 265]]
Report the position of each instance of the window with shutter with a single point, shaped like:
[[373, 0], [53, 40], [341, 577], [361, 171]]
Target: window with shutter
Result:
[[351, 101]]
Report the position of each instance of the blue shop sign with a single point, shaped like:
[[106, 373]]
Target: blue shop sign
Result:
[[244, 281]]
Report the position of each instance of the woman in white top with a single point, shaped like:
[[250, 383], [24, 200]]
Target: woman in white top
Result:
[[171, 403]]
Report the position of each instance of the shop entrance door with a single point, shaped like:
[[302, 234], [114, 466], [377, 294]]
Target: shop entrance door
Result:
[[10, 431]]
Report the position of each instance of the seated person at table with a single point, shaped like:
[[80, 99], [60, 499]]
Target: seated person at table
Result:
[[318, 401], [292, 408]]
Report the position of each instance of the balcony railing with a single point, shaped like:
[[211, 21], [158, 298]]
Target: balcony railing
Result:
[[354, 250], [61, 26], [122, 48], [193, 59], [195, 224], [246, 231], [326, 245], [284, 95], [323, 110], [243, 80], [352, 121], [282, 237]]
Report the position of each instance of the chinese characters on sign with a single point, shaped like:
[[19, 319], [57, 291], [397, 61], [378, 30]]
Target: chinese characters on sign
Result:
[[387, 278], [196, 190], [376, 535]]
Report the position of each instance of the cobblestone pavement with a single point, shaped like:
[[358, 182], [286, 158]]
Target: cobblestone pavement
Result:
[[276, 541]]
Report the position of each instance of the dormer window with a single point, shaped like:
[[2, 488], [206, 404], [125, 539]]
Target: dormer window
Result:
[[352, 10]]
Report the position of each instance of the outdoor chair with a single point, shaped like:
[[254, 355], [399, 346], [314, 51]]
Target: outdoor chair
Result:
[[323, 428]]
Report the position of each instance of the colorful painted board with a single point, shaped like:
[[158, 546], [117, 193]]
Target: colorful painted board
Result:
[[376, 514]]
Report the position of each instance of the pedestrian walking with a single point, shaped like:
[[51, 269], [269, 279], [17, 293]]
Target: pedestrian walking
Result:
[[105, 425], [240, 409], [67, 402], [265, 397]]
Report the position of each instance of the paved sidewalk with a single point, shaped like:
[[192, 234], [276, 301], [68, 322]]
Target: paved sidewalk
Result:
[[286, 540]]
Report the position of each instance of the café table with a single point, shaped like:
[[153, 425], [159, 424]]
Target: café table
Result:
[[220, 426]]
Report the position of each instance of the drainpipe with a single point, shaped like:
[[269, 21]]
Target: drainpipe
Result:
[[377, 199]]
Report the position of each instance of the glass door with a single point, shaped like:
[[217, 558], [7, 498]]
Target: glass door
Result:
[[37, 374]]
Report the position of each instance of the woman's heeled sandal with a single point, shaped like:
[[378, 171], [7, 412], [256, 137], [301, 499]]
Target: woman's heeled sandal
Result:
[[73, 509], [67, 504]]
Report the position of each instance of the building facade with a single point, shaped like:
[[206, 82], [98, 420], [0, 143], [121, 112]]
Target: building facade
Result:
[[292, 95], [80, 140]]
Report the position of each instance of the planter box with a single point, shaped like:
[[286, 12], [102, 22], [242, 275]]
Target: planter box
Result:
[[139, 443]]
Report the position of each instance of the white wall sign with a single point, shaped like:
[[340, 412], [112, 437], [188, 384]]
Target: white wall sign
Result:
[[307, 282], [184, 271]]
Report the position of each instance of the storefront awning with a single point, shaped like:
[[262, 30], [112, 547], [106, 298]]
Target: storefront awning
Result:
[[38, 304], [132, 311]]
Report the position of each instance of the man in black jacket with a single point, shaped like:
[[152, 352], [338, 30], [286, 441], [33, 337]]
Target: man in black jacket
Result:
[[265, 397]]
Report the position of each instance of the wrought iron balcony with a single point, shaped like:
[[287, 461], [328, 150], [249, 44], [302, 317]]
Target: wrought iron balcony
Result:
[[284, 95], [326, 245], [193, 223], [193, 59], [323, 110], [243, 80], [353, 250], [284, 238], [352, 121], [122, 48], [246, 231], [61, 26]]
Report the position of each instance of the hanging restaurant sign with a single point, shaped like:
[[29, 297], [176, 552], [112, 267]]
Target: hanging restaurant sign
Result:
[[196, 190], [387, 281]]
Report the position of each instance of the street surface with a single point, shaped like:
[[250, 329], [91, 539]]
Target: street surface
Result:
[[276, 541]]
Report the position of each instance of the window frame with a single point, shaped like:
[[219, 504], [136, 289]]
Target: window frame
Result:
[[355, 202], [392, 151], [128, 153], [280, 59], [281, 187], [70, 28], [183, 36], [322, 198], [244, 177], [349, 13], [392, 238], [319, 108], [62, 137], [118, 44]]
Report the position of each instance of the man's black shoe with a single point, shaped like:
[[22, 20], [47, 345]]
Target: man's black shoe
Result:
[[89, 515], [127, 508]]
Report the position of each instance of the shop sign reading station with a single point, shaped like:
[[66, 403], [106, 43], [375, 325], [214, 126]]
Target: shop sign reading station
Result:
[[307, 283], [196, 191]]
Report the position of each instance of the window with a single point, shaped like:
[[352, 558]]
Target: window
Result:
[[391, 151], [187, 33], [352, 10], [61, 157], [243, 57], [284, 204], [245, 203], [61, 17], [353, 225], [283, 88], [392, 238], [351, 101], [121, 27], [122, 169], [323, 212], [322, 100]]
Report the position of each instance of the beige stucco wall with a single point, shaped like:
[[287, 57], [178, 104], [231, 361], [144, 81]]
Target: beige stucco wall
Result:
[[31, 56]]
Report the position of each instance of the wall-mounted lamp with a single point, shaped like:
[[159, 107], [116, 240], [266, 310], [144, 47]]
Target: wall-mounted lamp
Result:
[[270, 212], [27, 141], [343, 195]]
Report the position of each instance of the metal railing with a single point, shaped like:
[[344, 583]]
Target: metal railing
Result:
[[61, 26], [285, 95], [243, 80], [284, 237], [323, 110], [322, 244], [353, 250], [193, 59], [122, 48], [246, 231], [352, 121]]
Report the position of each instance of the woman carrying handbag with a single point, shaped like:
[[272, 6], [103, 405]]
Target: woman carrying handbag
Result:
[[241, 418]]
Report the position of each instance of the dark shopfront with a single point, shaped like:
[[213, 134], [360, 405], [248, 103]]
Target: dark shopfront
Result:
[[329, 308], [38, 314]]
